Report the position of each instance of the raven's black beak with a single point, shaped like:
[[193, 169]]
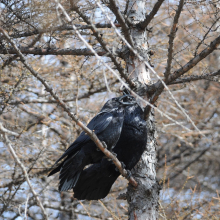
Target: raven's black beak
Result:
[[126, 103], [121, 98], [126, 91]]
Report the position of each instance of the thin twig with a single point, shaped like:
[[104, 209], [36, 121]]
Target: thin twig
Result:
[[68, 209], [171, 39], [159, 86], [209, 49], [109, 211], [60, 28], [25, 210], [5, 103], [8, 143], [208, 76], [3, 129], [204, 37], [85, 208], [10, 59], [187, 165]]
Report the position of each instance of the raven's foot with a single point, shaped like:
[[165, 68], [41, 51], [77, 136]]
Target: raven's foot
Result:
[[129, 174], [114, 153], [104, 144], [107, 158], [122, 165]]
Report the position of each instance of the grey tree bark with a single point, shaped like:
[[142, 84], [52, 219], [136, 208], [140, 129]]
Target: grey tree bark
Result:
[[143, 201]]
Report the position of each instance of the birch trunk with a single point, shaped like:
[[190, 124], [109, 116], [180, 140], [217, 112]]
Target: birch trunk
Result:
[[143, 201]]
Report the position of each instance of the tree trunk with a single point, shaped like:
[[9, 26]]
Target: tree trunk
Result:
[[143, 201]]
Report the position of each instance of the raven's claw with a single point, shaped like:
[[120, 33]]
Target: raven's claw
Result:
[[114, 154], [129, 174], [104, 144], [123, 165]]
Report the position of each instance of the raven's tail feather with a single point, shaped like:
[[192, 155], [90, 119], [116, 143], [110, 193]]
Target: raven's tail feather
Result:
[[58, 168], [69, 183], [95, 182], [55, 170], [70, 172]]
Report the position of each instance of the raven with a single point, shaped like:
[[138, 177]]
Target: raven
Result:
[[95, 181], [107, 125]]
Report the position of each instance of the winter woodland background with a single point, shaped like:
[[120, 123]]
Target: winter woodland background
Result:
[[188, 167]]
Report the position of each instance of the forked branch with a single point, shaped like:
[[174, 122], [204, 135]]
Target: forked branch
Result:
[[149, 17]]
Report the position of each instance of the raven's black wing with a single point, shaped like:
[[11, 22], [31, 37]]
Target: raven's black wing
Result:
[[97, 124], [75, 157]]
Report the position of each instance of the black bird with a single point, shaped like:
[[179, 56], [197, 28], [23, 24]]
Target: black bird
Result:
[[107, 125], [95, 182]]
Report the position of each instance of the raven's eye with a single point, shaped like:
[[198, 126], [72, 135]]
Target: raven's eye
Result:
[[129, 98], [141, 125]]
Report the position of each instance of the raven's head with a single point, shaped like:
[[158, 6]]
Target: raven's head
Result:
[[127, 100], [117, 102]]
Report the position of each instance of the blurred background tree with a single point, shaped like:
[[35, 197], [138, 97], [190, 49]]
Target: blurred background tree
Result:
[[187, 159]]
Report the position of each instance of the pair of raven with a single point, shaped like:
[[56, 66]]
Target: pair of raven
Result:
[[121, 125]]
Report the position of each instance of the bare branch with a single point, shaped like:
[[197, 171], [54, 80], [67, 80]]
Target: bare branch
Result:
[[171, 39], [208, 76], [204, 37], [213, 46], [52, 51], [125, 29], [3, 129], [159, 86], [60, 28], [9, 60], [149, 17]]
